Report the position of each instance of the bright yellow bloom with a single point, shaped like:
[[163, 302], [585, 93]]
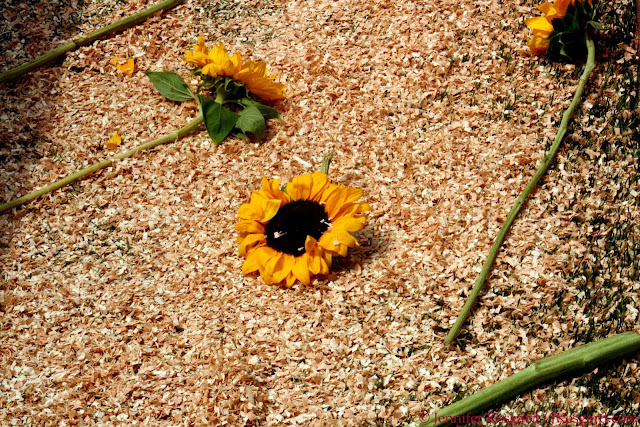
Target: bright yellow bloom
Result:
[[542, 28], [556, 9], [114, 142], [253, 74], [295, 234], [542, 25], [128, 67]]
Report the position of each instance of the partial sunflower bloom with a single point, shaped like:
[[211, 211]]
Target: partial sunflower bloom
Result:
[[294, 235], [543, 26], [215, 62], [254, 76]]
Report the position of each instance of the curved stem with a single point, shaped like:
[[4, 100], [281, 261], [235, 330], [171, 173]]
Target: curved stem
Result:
[[542, 169], [570, 362], [54, 54], [326, 162], [173, 136]]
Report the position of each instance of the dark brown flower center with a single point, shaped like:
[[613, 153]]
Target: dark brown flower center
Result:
[[288, 229]]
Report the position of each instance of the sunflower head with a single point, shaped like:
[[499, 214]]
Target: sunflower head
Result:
[[216, 62], [561, 32], [294, 235]]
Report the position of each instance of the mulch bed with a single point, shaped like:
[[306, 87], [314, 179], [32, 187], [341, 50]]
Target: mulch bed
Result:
[[121, 296]]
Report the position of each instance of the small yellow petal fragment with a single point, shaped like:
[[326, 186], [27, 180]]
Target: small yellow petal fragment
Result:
[[114, 142], [127, 67]]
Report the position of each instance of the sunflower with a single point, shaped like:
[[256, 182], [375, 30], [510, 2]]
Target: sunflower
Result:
[[295, 234], [542, 26], [215, 62]]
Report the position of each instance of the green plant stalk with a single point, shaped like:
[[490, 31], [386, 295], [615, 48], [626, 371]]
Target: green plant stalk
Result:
[[542, 169], [578, 359], [326, 162], [173, 136], [54, 54]]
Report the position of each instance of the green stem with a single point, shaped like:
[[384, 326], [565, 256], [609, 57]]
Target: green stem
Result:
[[85, 40], [173, 136], [326, 162], [572, 361], [542, 169]]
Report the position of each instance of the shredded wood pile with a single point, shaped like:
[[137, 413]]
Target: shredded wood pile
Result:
[[121, 296]]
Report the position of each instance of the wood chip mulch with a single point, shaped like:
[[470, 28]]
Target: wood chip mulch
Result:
[[121, 296]]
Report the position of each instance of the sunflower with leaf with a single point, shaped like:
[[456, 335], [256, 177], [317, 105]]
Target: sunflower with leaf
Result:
[[293, 232], [237, 87], [563, 30]]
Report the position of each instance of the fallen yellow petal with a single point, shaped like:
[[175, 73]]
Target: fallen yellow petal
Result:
[[114, 142], [127, 67]]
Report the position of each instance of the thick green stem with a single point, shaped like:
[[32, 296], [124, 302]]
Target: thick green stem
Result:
[[542, 169], [173, 136], [85, 40], [570, 362]]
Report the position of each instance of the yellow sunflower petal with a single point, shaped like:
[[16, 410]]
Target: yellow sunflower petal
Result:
[[210, 69], [336, 201], [318, 263], [271, 190], [538, 45], [350, 224], [546, 7], [270, 210], [559, 9], [309, 244], [252, 263], [291, 279], [114, 142], [301, 269], [539, 23], [345, 237], [250, 211], [250, 241], [278, 267], [299, 188], [315, 264], [331, 244], [254, 76], [363, 207], [288, 261], [249, 226], [320, 183]]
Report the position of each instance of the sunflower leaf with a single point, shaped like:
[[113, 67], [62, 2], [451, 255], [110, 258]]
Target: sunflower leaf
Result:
[[240, 134], [596, 25], [251, 120], [218, 120], [267, 112], [170, 85]]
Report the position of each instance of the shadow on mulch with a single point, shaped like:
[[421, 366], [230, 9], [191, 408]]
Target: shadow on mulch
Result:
[[359, 255], [29, 29]]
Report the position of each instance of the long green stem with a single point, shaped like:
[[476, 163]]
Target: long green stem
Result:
[[173, 136], [54, 54], [542, 169], [570, 362]]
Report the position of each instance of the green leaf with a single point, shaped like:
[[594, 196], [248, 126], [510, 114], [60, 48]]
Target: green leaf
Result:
[[240, 134], [218, 120], [596, 25], [267, 112], [170, 85], [251, 120]]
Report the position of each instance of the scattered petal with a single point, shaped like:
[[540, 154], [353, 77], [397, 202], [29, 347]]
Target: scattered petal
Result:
[[114, 142]]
